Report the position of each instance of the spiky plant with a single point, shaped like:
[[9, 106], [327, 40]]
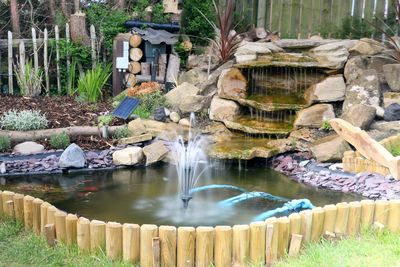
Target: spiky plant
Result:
[[29, 79], [226, 39], [91, 84]]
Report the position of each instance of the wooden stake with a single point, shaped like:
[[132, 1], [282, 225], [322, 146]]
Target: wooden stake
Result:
[[83, 234], [97, 235], [67, 38], [114, 240], [257, 243], [50, 234], [367, 212], [10, 209], [51, 211], [19, 207], [71, 230], [186, 246], [147, 233], [295, 223], [295, 245], [45, 61], [36, 215], [241, 245], [1, 204], [10, 64], [353, 225], [93, 44], [131, 243], [223, 246], [393, 222], [156, 251], [168, 245], [283, 235], [59, 217], [318, 216], [28, 212], [342, 217], [381, 211], [204, 246], [271, 241], [7, 196], [22, 56], [35, 50], [306, 225], [330, 218], [57, 33], [43, 216]]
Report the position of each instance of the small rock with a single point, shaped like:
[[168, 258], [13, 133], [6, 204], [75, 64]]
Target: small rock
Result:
[[3, 168], [184, 122], [167, 112], [159, 114], [174, 116], [136, 127], [304, 163], [392, 112], [330, 148], [155, 152], [27, 148], [72, 157], [128, 156]]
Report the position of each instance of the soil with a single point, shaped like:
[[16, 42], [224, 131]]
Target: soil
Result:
[[61, 111]]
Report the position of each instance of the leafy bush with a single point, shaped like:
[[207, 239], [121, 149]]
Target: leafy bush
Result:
[[105, 120], [158, 15], [149, 103], [24, 120], [71, 79], [194, 25], [355, 28], [5, 143], [91, 84], [60, 141], [326, 126], [120, 133], [29, 79]]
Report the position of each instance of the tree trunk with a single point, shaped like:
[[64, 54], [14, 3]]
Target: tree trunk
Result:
[[78, 29], [76, 5], [120, 4], [15, 17], [65, 8], [52, 11]]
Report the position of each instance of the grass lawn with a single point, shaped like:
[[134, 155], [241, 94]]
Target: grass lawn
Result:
[[21, 248]]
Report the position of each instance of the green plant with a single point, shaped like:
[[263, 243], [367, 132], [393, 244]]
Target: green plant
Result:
[[71, 79], [120, 133], [355, 28], [5, 143], [105, 120], [60, 141], [326, 126], [149, 103], [157, 16], [194, 25], [226, 40], [29, 79], [91, 84], [24, 120]]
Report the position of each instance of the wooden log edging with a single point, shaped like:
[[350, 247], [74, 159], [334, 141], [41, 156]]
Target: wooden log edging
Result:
[[258, 243]]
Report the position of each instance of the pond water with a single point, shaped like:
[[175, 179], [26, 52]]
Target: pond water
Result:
[[149, 195]]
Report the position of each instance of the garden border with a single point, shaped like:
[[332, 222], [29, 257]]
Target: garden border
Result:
[[258, 243]]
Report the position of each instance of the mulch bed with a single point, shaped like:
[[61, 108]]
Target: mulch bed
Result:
[[61, 111]]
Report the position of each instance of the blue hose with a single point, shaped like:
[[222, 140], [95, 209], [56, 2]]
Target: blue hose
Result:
[[289, 207], [216, 186], [250, 195]]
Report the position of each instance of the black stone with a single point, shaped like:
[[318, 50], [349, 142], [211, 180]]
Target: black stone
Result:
[[159, 114], [392, 112]]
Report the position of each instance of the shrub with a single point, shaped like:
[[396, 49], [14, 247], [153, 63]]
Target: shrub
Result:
[[24, 120], [29, 79], [121, 133], [149, 103], [5, 143], [105, 120], [60, 141], [91, 84], [326, 126]]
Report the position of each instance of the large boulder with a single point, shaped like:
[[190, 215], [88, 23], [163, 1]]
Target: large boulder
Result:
[[27, 148], [223, 110], [194, 76], [232, 84], [136, 127], [314, 116], [329, 90], [360, 115], [185, 98], [72, 157], [330, 148], [128, 156], [365, 89], [248, 51], [366, 46], [392, 112], [392, 76], [331, 55], [155, 152]]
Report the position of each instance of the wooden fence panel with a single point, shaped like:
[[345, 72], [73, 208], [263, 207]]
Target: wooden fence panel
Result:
[[286, 18]]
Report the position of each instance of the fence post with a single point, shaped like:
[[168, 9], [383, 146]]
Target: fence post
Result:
[[36, 204], [262, 9], [57, 33], [67, 38], [70, 226], [168, 245], [19, 207], [317, 223], [330, 218], [367, 212], [342, 217], [51, 211], [306, 225], [28, 212], [97, 235], [83, 234], [131, 242], [147, 233], [35, 50], [93, 43], [114, 240], [257, 243], [283, 235], [271, 246], [61, 229], [381, 211], [241, 245], [353, 226], [186, 246], [10, 64], [45, 62], [223, 246], [43, 216], [22, 57], [204, 246], [394, 215]]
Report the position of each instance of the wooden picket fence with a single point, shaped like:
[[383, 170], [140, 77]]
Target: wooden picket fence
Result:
[[302, 18], [257, 244], [38, 44]]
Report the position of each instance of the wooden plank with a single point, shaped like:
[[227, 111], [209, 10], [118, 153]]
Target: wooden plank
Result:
[[295, 12], [369, 10], [67, 38], [326, 18], [358, 9], [261, 14], [271, 246], [35, 50], [15, 42], [10, 65], [285, 21], [316, 15], [257, 243], [241, 245], [223, 246], [57, 33], [204, 246], [306, 19], [45, 62], [275, 15], [93, 45], [168, 245], [295, 245], [300, 23]]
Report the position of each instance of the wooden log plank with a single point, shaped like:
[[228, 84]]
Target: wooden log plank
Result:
[[354, 222], [10, 63], [186, 246], [131, 243], [393, 221], [18, 207], [261, 14], [367, 212], [50, 234], [257, 243], [114, 240], [97, 235], [61, 230], [43, 216], [283, 235], [295, 223], [330, 218], [204, 246], [68, 57], [306, 225], [28, 212], [223, 246], [57, 35], [51, 211], [342, 217], [6, 196], [271, 246], [93, 45], [295, 245], [147, 233], [135, 40], [71, 229], [46, 62], [35, 50], [318, 219], [83, 235], [167, 236], [381, 211], [10, 211], [156, 251], [36, 215], [240, 245]]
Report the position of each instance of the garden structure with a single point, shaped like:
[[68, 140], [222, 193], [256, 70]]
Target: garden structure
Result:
[[249, 135]]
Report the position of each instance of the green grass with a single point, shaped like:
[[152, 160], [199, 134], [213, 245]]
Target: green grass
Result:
[[22, 248], [371, 249]]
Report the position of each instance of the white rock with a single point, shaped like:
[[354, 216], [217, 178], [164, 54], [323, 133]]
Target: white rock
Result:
[[167, 111], [184, 122], [128, 156], [3, 168], [27, 148], [223, 110], [174, 116], [331, 89]]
